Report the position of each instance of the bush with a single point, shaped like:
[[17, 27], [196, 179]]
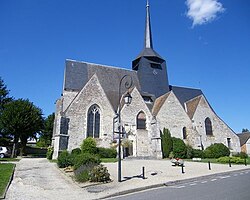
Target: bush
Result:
[[89, 146], [64, 159], [49, 153], [83, 176], [99, 174], [190, 151], [166, 143], [86, 159], [241, 155], [216, 150], [106, 152], [76, 151], [197, 153], [179, 148], [236, 160]]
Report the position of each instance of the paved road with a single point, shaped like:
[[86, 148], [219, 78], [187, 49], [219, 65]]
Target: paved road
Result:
[[232, 186]]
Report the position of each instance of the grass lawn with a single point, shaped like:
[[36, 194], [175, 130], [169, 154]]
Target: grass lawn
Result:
[[214, 160], [10, 159], [6, 170], [109, 160]]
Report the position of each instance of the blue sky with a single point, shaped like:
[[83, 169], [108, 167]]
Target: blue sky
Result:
[[206, 44]]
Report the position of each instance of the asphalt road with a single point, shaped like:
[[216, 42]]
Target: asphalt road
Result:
[[232, 186]]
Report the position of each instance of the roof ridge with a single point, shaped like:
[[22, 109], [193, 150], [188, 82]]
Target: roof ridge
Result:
[[100, 65]]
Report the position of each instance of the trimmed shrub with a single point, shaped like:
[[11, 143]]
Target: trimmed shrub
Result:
[[83, 176], [49, 153], [107, 152], [236, 160], [86, 159], [179, 148], [190, 151], [64, 159], [216, 150], [89, 146], [197, 153], [99, 174], [166, 143]]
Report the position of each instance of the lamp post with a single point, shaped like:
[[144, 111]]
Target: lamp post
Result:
[[127, 99]]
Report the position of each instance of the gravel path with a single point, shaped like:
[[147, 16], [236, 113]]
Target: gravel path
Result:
[[36, 179]]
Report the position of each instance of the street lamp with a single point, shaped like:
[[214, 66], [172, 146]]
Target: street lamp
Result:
[[127, 100]]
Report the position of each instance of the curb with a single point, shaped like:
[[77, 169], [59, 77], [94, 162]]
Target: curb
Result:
[[10, 180], [170, 183]]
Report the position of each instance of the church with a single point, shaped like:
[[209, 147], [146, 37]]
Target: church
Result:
[[93, 95]]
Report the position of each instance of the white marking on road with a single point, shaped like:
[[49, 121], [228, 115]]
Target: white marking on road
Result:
[[193, 184], [241, 173], [204, 182], [235, 174], [225, 177], [214, 179], [178, 187]]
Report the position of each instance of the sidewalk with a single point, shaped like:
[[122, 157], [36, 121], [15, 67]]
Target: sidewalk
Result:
[[36, 178]]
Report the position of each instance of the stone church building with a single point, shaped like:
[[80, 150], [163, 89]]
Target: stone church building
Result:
[[90, 100]]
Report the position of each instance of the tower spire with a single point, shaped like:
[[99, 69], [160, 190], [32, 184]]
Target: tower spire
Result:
[[148, 35]]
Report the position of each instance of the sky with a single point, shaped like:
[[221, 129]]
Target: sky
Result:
[[206, 44]]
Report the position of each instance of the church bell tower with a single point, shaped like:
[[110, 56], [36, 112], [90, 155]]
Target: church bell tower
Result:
[[150, 66]]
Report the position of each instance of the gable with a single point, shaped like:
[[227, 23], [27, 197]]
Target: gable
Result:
[[244, 137], [191, 106], [92, 93], [77, 74], [171, 108]]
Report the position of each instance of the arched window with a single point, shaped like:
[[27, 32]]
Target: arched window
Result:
[[208, 126], [184, 132], [141, 120], [93, 122]]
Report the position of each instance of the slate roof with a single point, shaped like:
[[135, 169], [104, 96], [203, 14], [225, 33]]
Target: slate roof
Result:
[[159, 102], [184, 94], [192, 105], [77, 74], [244, 137]]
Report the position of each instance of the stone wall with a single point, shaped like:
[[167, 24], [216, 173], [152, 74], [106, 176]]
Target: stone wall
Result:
[[91, 94], [142, 139], [220, 130], [173, 117]]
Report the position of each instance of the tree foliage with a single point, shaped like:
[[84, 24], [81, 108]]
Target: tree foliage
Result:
[[4, 99], [21, 119], [244, 130], [4, 95], [166, 143], [47, 132]]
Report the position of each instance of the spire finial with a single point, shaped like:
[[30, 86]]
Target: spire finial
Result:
[[148, 35]]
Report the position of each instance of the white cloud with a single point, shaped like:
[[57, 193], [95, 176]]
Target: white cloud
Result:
[[203, 11]]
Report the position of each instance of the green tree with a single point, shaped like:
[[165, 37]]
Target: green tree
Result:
[[244, 130], [166, 143], [4, 99], [4, 95], [47, 132], [21, 119]]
